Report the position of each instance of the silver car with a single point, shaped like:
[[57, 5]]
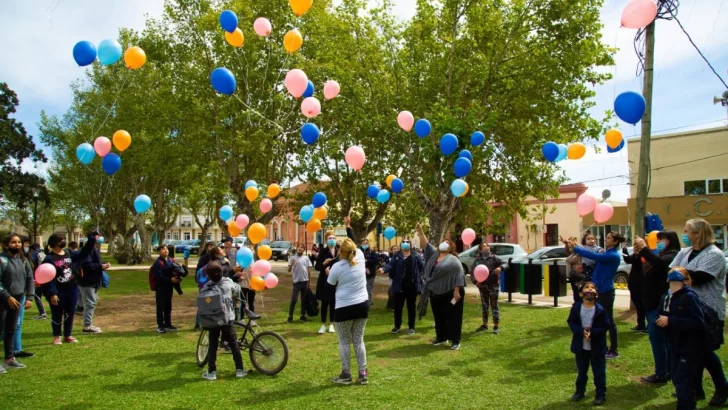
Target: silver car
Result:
[[501, 250], [549, 254]]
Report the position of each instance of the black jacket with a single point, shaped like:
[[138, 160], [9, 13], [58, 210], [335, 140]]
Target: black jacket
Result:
[[324, 291], [634, 281], [685, 329], [654, 277], [91, 271], [598, 330]]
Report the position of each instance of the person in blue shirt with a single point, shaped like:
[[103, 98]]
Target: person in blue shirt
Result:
[[606, 265]]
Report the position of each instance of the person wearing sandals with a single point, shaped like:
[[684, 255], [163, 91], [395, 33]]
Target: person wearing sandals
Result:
[[16, 285], [352, 309]]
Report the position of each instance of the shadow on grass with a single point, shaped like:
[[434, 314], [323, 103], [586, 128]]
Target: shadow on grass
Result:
[[289, 391], [146, 385], [630, 396]]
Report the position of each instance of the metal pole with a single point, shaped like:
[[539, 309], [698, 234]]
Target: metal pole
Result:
[[643, 177]]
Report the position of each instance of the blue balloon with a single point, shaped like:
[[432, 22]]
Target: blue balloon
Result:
[[462, 167], [111, 163], [310, 89], [390, 233], [109, 52], [466, 154], [306, 213], [477, 138], [550, 151], [84, 53], [228, 21], [100, 240], [422, 128], [244, 257], [619, 147], [448, 144], [251, 183], [142, 203], [397, 185], [223, 80], [310, 133], [319, 199], [226, 212], [372, 191], [383, 196], [458, 187], [85, 153], [563, 152], [630, 106]]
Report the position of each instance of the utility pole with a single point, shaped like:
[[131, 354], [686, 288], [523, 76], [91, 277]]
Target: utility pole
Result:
[[643, 177]]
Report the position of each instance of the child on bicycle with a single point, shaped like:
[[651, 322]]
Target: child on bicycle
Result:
[[230, 290]]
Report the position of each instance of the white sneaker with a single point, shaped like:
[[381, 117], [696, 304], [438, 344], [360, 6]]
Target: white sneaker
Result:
[[2, 369], [322, 330], [331, 329], [209, 375]]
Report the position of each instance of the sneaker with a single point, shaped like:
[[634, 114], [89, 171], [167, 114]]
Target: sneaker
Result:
[[14, 364], [322, 330], [394, 330], [240, 373], [599, 401], [161, 330], [209, 375], [645, 331], [364, 377], [455, 346], [331, 329], [57, 340], [638, 329], [496, 330], [41, 317], [438, 342], [653, 379], [577, 396], [290, 320], [343, 378], [719, 398], [171, 329], [482, 328], [2, 370], [303, 319], [612, 354], [70, 339], [23, 354], [91, 329], [410, 332]]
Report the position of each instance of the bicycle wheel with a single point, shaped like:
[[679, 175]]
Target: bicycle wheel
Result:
[[203, 348], [269, 353]]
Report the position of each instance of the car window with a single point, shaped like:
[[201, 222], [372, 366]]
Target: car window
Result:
[[555, 253], [281, 245], [501, 250]]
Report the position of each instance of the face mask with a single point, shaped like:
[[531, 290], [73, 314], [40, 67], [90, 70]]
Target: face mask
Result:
[[365, 247], [25, 250], [660, 246], [686, 240], [444, 247], [331, 242], [405, 246], [13, 250], [485, 253], [62, 244], [590, 296], [675, 276]]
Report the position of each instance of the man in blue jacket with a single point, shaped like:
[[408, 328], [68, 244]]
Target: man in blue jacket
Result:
[[89, 282], [405, 270]]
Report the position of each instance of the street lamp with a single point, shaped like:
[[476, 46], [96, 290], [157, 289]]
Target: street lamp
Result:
[[35, 214]]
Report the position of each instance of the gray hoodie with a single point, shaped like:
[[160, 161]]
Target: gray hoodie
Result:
[[16, 276]]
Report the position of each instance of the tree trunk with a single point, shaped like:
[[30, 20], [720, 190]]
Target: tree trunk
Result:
[[438, 227], [145, 236]]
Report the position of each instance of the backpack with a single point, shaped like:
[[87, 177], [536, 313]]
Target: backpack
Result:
[[152, 279], [212, 306], [311, 303], [201, 277], [713, 327]]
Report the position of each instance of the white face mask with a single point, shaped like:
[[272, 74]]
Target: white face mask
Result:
[[444, 247]]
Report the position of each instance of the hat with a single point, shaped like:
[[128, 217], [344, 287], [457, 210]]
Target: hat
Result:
[[227, 239], [675, 276]]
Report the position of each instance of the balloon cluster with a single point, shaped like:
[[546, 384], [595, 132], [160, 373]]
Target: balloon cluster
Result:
[[109, 52], [554, 152], [313, 214], [111, 162], [587, 203]]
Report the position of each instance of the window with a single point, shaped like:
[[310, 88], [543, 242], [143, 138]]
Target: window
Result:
[[555, 253], [708, 186], [695, 187], [175, 236], [209, 237], [340, 231], [187, 236], [500, 250], [714, 186], [719, 235], [186, 221], [552, 235]]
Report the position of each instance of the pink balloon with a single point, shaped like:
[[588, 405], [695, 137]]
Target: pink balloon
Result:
[[271, 280], [242, 221], [406, 120], [481, 273], [586, 204], [355, 157], [603, 212], [468, 236], [266, 205], [262, 26], [44, 273], [296, 82], [102, 145], [260, 268], [639, 13], [310, 107], [331, 89]]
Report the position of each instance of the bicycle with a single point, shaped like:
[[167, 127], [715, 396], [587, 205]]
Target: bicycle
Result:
[[268, 350]]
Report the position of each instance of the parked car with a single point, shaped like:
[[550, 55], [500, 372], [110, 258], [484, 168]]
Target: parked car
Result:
[[195, 247], [186, 245], [549, 254], [281, 250], [501, 250]]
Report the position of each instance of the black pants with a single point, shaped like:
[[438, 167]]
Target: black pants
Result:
[[249, 298], [9, 323], [606, 299], [635, 294], [448, 317], [599, 369], [400, 298], [327, 307], [228, 336], [299, 287], [390, 298], [164, 306], [684, 373]]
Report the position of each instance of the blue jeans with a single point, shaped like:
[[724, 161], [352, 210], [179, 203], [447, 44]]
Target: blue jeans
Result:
[[659, 345], [599, 368], [19, 329]]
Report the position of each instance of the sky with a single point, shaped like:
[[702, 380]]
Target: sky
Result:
[[38, 65]]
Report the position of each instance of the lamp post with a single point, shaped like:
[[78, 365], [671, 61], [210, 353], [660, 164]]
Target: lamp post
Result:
[[35, 215]]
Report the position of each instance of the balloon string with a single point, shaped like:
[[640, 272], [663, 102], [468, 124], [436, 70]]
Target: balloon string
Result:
[[258, 113], [113, 105]]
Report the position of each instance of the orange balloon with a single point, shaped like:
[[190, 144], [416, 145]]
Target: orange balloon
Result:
[[467, 189], [273, 190], [265, 252], [652, 239], [320, 213], [313, 225], [390, 178], [613, 138], [236, 38], [122, 140], [300, 7], [256, 233], [135, 57], [576, 150], [251, 193], [292, 41], [233, 230], [257, 283]]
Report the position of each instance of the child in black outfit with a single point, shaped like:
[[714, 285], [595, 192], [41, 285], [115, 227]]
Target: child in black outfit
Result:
[[588, 322], [683, 321]]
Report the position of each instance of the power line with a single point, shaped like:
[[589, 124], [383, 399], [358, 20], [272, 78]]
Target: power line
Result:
[[678, 128], [688, 162]]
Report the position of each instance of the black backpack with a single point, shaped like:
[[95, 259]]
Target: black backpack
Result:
[[312, 308], [713, 328]]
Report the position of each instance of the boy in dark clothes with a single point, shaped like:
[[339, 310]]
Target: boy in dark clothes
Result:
[[165, 281], [682, 319], [588, 322]]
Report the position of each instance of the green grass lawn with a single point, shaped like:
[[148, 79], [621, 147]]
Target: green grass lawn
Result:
[[527, 366]]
